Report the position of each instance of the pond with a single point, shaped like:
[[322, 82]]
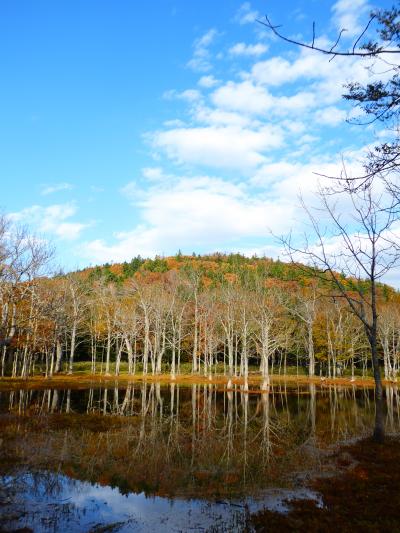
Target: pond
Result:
[[146, 457]]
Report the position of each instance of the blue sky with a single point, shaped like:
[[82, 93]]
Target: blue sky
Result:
[[134, 127]]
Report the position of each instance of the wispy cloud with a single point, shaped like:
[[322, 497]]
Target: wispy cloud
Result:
[[201, 60], [201, 211], [246, 14], [348, 15], [57, 187], [190, 95], [252, 50], [229, 147], [208, 81], [52, 220]]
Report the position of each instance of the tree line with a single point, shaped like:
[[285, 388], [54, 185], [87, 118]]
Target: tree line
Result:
[[203, 314]]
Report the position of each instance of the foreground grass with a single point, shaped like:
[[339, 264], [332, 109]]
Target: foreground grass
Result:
[[364, 496]]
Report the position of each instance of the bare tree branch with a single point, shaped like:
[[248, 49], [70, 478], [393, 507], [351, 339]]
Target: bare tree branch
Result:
[[331, 51]]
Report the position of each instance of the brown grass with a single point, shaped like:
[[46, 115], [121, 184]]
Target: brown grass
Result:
[[363, 496], [80, 381]]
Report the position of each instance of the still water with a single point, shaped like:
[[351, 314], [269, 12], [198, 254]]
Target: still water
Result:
[[169, 458]]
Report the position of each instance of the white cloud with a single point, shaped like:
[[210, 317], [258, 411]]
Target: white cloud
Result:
[[201, 60], [246, 97], [220, 117], [273, 72], [393, 277], [133, 191], [208, 81], [153, 173], [51, 220], [174, 123], [194, 212], [331, 116], [252, 50], [294, 126], [325, 79], [229, 147], [276, 171], [347, 15], [246, 15], [190, 95], [309, 65], [287, 180], [209, 213], [50, 189], [68, 230]]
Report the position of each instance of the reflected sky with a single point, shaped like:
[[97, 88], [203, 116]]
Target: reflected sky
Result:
[[54, 502]]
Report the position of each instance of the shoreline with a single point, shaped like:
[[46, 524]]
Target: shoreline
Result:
[[85, 380]]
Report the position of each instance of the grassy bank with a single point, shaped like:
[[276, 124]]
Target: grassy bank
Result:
[[84, 378]]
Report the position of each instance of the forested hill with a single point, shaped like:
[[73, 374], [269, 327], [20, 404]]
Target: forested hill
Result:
[[218, 268], [214, 268]]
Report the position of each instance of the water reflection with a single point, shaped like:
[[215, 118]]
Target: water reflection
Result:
[[178, 442], [57, 503]]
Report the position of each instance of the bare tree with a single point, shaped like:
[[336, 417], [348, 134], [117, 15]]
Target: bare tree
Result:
[[76, 303], [23, 258], [303, 306], [389, 336], [267, 328], [352, 252]]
